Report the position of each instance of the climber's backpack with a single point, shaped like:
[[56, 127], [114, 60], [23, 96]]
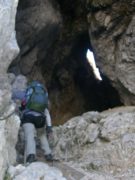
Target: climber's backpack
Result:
[[36, 97]]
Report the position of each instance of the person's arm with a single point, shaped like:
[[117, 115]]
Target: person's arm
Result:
[[48, 117], [48, 121], [18, 94]]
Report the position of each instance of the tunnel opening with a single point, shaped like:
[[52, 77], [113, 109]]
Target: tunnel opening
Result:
[[98, 95], [74, 88]]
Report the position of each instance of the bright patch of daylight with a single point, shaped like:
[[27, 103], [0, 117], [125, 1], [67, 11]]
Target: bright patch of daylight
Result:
[[91, 60]]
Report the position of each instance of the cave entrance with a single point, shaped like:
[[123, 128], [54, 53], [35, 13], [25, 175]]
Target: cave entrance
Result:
[[74, 89], [98, 94]]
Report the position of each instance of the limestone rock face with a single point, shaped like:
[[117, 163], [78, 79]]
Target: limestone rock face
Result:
[[37, 26], [9, 122], [9, 126], [8, 45], [103, 142], [112, 31]]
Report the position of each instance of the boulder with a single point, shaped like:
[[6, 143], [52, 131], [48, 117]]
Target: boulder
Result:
[[35, 171], [105, 146]]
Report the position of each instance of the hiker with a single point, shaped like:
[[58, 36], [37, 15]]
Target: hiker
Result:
[[35, 117]]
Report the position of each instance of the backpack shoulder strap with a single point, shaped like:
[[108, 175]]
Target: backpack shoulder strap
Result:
[[28, 93]]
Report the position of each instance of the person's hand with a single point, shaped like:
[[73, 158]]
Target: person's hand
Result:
[[49, 132], [48, 129]]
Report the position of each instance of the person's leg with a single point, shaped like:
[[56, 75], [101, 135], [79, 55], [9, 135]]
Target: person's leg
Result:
[[30, 145], [44, 143]]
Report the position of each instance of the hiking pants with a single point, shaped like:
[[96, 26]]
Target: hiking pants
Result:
[[30, 143]]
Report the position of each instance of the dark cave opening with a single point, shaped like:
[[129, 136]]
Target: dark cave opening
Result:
[[98, 95], [91, 94]]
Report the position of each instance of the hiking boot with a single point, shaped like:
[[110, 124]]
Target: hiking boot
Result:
[[31, 158], [49, 157]]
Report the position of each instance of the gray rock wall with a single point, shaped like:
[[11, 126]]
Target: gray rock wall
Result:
[[8, 45], [8, 135], [9, 122], [37, 26]]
